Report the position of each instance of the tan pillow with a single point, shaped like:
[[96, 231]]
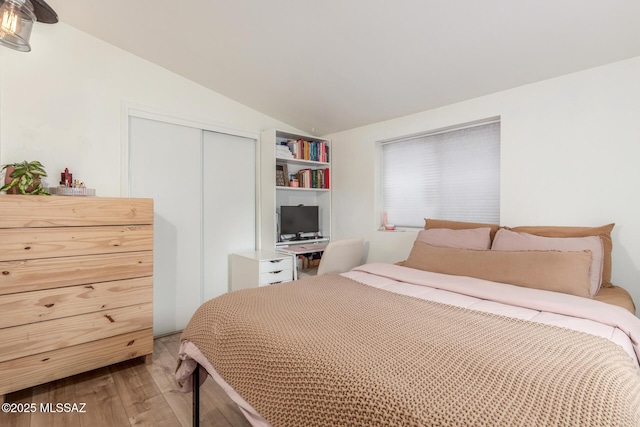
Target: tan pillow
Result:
[[507, 240], [566, 272], [472, 238], [604, 232], [458, 225]]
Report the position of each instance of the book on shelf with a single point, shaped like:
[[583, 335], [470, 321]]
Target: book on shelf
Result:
[[313, 178], [283, 152], [304, 178], [317, 151]]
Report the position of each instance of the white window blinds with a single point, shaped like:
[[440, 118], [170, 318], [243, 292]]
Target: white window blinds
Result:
[[453, 175]]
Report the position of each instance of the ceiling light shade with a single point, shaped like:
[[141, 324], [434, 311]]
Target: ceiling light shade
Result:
[[16, 21]]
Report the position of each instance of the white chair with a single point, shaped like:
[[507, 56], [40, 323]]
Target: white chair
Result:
[[339, 256]]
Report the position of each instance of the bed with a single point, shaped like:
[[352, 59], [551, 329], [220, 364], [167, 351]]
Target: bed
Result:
[[389, 344]]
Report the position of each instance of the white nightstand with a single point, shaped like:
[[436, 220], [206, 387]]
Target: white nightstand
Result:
[[260, 268]]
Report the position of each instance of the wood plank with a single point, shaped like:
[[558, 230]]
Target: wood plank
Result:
[[47, 211], [163, 375], [49, 304], [60, 391], [163, 367], [32, 243], [213, 394], [17, 419], [171, 343], [216, 407], [144, 403], [106, 406], [103, 404], [37, 274], [59, 333], [37, 369]]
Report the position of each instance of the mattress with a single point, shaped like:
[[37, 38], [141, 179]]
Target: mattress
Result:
[[617, 296], [474, 300]]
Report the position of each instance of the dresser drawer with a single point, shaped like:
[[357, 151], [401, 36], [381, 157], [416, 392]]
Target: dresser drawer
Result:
[[260, 268], [57, 242], [55, 334], [38, 306], [40, 368], [45, 273], [278, 264], [276, 277]]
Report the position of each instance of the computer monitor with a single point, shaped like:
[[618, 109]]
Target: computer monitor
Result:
[[299, 220]]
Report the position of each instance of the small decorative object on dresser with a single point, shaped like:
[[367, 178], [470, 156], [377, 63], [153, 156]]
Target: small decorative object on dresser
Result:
[[70, 187], [76, 286]]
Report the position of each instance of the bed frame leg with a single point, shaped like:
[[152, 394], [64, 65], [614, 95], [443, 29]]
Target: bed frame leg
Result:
[[196, 396]]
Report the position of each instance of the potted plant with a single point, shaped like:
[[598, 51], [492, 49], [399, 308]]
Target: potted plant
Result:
[[24, 178]]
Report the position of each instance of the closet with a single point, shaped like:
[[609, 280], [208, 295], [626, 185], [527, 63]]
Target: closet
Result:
[[203, 184]]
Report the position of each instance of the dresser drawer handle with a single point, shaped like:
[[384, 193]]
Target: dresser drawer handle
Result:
[[276, 272], [273, 261]]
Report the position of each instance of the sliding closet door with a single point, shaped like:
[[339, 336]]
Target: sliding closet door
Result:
[[203, 185], [164, 164], [229, 202]]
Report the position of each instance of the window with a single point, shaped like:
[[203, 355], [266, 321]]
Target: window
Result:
[[451, 174]]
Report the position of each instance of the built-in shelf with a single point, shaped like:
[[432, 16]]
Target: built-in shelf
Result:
[[310, 163], [272, 196], [279, 187]]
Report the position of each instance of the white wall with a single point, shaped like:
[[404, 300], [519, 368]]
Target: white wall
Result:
[[63, 102], [570, 145], [570, 155]]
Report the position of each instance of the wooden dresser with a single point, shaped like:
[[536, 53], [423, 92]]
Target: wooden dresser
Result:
[[76, 286]]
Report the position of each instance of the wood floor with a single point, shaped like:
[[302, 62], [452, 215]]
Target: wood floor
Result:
[[126, 394]]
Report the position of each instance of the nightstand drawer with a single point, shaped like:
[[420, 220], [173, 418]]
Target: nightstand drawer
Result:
[[260, 268], [278, 264], [276, 277]]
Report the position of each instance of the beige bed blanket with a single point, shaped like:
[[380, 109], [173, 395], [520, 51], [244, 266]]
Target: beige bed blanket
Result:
[[328, 350]]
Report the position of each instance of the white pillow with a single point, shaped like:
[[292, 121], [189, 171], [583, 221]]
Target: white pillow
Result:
[[506, 240]]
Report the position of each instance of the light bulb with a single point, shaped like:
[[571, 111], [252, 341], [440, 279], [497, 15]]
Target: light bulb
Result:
[[9, 21], [17, 21]]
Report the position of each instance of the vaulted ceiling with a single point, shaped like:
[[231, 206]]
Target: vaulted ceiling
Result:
[[330, 65]]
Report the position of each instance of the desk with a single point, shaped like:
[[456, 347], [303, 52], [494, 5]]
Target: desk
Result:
[[304, 249], [301, 249]]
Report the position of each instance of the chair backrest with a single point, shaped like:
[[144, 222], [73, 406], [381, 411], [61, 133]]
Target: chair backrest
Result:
[[341, 255]]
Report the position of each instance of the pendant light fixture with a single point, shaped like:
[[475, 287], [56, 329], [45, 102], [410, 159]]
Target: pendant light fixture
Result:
[[17, 18]]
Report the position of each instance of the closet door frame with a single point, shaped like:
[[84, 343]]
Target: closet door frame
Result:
[[135, 110], [131, 114]]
